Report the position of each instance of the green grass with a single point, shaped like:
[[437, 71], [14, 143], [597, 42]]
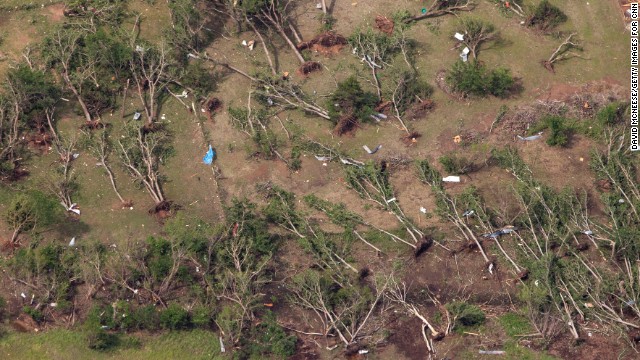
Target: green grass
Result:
[[515, 324], [62, 344]]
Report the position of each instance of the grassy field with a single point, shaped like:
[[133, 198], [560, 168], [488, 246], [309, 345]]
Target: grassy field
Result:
[[60, 344]]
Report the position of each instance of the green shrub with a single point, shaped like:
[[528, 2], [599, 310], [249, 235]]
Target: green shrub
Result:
[[546, 16], [456, 165], [201, 317], [474, 78], [559, 135], [612, 114], [98, 338], [268, 339], [35, 314], [466, 314], [174, 317], [349, 98], [147, 318]]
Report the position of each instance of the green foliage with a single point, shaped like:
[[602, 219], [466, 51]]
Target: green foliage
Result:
[[456, 165], [337, 213], [34, 91], [35, 314], [612, 114], [509, 159], [465, 314], [253, 226], [268, 339], [558, 127], [202, 317], [474, 78], [51, 268], [428, 174], [546, 16], [350, 99], [96, 336], [174, 317], [410, 88]]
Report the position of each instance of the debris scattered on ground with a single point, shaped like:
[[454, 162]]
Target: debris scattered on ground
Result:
[[208, 157], [371, 152], [531, 138], [451, 179]]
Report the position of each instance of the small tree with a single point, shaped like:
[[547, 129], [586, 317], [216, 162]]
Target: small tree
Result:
[[31, 210], [349, 100], [546, 16], [141, 155], [476, 33]]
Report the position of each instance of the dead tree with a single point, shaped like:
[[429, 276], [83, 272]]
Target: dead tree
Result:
[[274, 14], [141, 154], [63, 185], [150, 72], [10, 130], [397, 293], [563, 52], [101, 149], [444, 7]]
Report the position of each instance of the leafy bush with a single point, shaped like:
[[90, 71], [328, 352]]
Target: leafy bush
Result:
[[35, 314], [546, 16], [201, 317], [269, 339], [147, 318], [474, 78], [612, 114], [465, 314], [98, 338], [349, 98], [174, 317], [456, 165], [559, 133]]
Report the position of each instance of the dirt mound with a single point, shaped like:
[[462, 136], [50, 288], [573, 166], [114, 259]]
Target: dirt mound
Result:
[[326, 43], [384, 24], [24, 323]]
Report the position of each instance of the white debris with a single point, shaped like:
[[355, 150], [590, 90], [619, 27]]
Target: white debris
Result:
[[75, 156], [531, 138], [53, 304], [318, 6], [244, 42], [351, 162], [451, 179], [221, 345], [459, 37], [323, 158], [139, 49], [23, 295], [465, 54], [369, 151], [362, 352], [391, 200], [423, 209], [588, 232], [73, 241]]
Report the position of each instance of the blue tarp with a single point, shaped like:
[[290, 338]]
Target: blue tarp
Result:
[[208, 157]]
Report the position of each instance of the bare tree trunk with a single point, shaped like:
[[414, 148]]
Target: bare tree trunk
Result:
[[264, 46], [124, 98]]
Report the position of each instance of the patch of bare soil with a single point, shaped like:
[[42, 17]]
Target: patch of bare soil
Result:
[[55, 12]]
